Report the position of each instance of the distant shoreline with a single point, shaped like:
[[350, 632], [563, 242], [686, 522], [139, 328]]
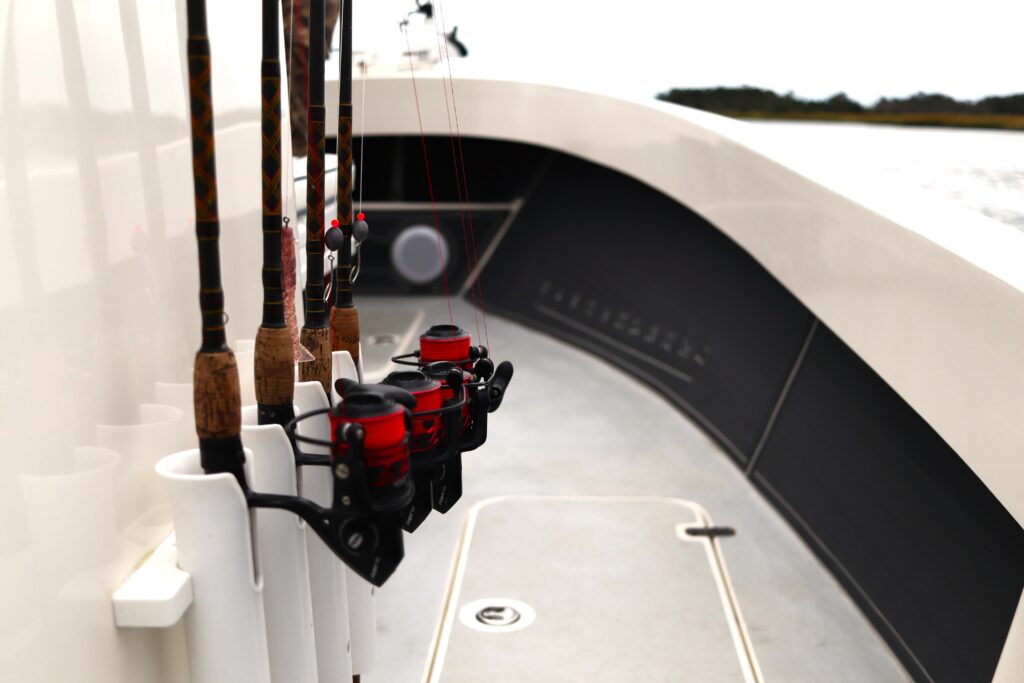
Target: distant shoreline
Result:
[[999, 112], [989, 121]]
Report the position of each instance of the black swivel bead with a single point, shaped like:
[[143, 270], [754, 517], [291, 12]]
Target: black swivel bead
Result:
[[360, 230], [334, 237]]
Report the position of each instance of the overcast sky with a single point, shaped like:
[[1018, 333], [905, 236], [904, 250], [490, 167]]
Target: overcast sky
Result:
[[868, 48]]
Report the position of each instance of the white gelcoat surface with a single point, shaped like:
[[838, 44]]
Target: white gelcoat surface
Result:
[[99, 298], [928, 293]]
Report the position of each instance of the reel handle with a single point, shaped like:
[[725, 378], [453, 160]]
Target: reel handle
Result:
[[499, 383], [480, 402]]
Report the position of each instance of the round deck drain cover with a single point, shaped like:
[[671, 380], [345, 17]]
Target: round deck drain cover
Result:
[[496, 615], [383, 339]]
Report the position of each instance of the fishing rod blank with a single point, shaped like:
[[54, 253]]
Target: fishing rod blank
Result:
[[216, 390], [344, 315], [275, 355], [316, 336]]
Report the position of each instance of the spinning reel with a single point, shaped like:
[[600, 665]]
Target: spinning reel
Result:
[[471, 383], [369, 462], [451, 344], [395, 450]]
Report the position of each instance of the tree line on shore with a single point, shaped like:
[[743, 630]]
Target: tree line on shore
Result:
[[751, 100]]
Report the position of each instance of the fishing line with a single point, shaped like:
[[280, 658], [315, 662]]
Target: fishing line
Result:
[[458, 186], [362, 166], [329, 285], [426, 166], [465, 187], [362, 136]]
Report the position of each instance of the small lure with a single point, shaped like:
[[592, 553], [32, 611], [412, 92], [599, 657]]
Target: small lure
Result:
[[288, 281]]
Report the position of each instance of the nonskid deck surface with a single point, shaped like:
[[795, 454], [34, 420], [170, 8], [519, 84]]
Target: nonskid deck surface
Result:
[[548, 586], [572, 425]]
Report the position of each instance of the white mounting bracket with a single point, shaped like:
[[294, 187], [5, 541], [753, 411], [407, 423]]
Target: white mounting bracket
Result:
[[157, 593]]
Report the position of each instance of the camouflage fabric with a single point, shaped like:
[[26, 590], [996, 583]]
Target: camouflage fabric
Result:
[[296, 29]]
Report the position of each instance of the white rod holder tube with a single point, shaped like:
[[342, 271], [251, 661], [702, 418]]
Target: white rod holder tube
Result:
[[245, 357], [362, 613], [362, 620], [281, 549], [342, 367], [225, 629], [326, 571]]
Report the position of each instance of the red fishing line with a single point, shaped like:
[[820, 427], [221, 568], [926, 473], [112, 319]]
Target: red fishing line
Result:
[[426, 166], [458, 186], [465, 187]]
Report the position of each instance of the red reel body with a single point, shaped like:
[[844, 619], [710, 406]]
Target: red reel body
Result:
[[429, 394], [438, 416], [438, 370]]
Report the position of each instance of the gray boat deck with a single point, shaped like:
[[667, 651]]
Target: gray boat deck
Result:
[[573, 425]]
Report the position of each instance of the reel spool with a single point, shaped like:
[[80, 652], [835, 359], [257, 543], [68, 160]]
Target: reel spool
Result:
[[426, 425], [451, 343], [444, 342], [386, 425]]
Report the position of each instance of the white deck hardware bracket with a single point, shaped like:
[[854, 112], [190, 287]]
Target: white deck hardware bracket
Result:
[[156, 594]]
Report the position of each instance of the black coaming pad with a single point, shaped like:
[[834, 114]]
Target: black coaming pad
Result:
[[605, 589], [628, 273], [897, 516]]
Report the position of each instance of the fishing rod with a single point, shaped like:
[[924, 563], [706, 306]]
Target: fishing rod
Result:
[[369, 448], [274, 353], [315, 335], [218, 403], [344, 314]]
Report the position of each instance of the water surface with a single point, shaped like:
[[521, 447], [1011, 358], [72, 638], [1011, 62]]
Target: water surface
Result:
[[981, 169]]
